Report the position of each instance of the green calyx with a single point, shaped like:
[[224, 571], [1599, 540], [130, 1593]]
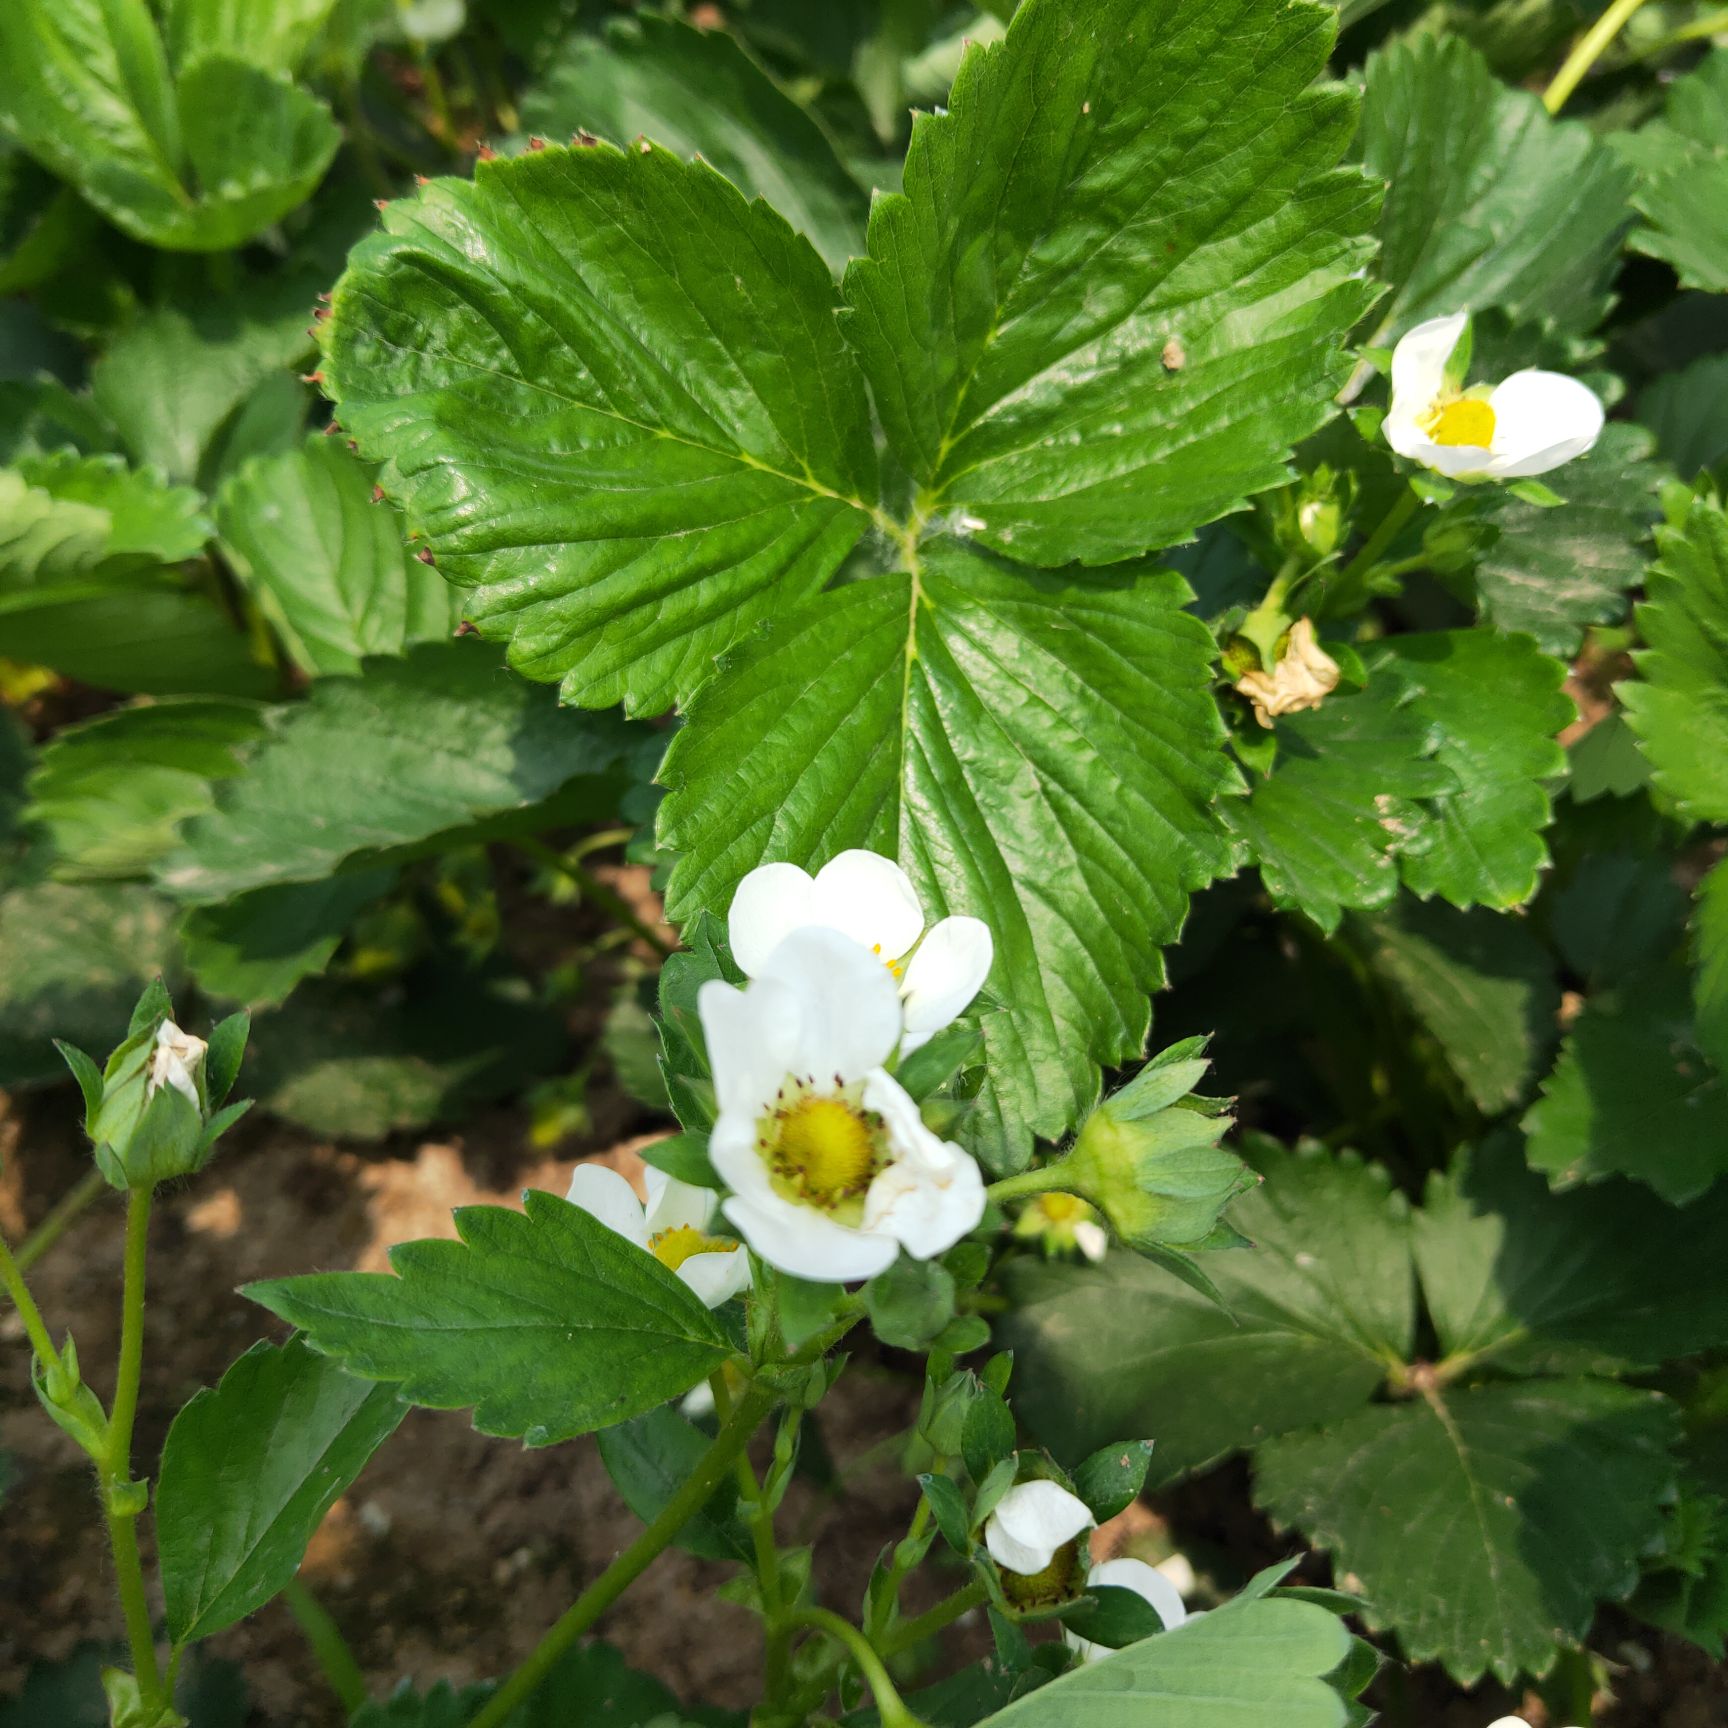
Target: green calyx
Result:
[[1148, 1157]]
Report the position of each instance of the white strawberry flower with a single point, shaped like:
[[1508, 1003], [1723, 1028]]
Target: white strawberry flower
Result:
[[1147, 1582], [673, 1226], [871, 899], [831, 1168], [1524, 426], [174, 1062], [1032, 1523]]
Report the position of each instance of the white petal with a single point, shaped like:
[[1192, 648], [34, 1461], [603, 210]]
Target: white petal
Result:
[[1542, 419], [602, 1193], [871, 899], [698, 1402], [948, 970], [732, 1152], [174, 1060], [848, 1005], [1030, 1523], [800, 1240], [1130, 1575], [1455, 461], [753, 1037], [717, 1277], [933, 1192], [1092, 1240], [673, 1204], [1419, 360], [770, 903]]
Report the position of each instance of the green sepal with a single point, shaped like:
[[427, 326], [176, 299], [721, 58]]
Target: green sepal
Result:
[[71, 1405], [1110, 1480], [987, 1435], [1111, 1616], [126, 1706], [223, 1053], [153, 1007], [1534, 492], [936, 1063], [86, 1073], [165, 1141], [684, 1157], [948, 1507], [1458, 361]]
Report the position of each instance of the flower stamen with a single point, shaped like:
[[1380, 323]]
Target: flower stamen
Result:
[[1467, 421], [825, 1148]]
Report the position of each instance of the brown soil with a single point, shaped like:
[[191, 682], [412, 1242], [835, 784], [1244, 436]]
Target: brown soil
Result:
[[453, 1552]]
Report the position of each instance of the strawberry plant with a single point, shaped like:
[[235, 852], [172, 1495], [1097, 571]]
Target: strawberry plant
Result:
[[1085, 644]]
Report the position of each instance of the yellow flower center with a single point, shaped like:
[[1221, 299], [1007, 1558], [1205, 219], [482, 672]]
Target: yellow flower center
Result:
[[673, 1247], [1063, 1578], [1059, 1208], [1469, 421], [826, 1148]]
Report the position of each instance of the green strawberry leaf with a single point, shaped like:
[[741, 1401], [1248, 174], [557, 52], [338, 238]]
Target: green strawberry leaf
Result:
[[1682, 166], [1112, 296], [248, 1471], [1327, 824], [1038, 749], [328, 567], [375, 769], [1688, 412], [504, 347], [1491, 202], [1678, 704], [545, 1321], [1317, 1311], [1485, 1523], [1495, 705], [699, 94]]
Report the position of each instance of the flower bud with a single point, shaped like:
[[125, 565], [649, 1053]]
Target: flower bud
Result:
[[1148, 1157], [154, 1111]]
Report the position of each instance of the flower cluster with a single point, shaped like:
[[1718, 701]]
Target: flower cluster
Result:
[[829, 1168]]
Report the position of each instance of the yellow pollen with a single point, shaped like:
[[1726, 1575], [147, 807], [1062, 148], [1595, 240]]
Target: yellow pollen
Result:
[[1469, 420], [673, 1247], [826, 1147]]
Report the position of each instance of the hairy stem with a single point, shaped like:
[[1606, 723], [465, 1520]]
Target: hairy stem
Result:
[[1391, 526], [697, 1488], [114, 1467], [329, 1648], [67, 1211], [1039, 1181], [933, 1620], [35, 1329], [889, 1705], [1585, 54]]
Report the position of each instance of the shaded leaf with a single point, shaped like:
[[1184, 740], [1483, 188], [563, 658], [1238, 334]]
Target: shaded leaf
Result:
[[1682, 164], [111, 791], [1688, 412], [699, 94], [1480, 984], [1317, 1310], [329, 568], [1485, 1523], [369, 770], [1632, 1095], [649, 1458], [1492, 203]]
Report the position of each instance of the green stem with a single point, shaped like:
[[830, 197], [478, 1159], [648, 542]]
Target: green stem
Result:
[[889, 1705], [1585, 55], [65, 1214], [1391, 526], [114, 1468], [767, 1553], [12, 1277], [595, 890], [1043, 1180], [690, 1498], [933, 1620], [329, 1647]]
